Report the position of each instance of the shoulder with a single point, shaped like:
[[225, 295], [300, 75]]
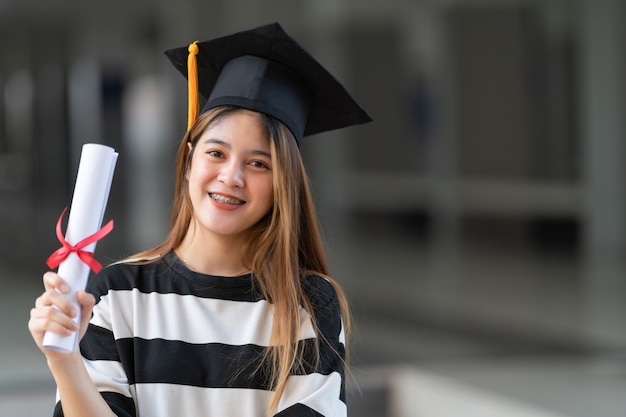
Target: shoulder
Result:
[[319, 291], [324, 301], [125, 275]]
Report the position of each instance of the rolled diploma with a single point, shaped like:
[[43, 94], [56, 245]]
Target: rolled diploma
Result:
[[91, 192]]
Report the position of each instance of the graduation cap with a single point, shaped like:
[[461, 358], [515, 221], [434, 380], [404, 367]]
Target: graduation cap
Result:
[[265, 70]]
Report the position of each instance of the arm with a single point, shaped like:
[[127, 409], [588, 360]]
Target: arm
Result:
[[319, 390], [77, 391]]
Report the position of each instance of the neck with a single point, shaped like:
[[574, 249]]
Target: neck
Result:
[[212, 255]]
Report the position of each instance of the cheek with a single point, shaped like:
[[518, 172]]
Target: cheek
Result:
[[264, 192], [269, 196], [190, 174], [198, 171]]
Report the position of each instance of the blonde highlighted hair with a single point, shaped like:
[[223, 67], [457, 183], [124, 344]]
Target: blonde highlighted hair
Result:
[[283, 247]]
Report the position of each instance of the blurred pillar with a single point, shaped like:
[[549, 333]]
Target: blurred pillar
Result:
[[17, 166], [604, 98], [147, 131], [443, 159], [558, 137], [85, 111], [19, 103], [603, 66], [444, 170], [53, 183]]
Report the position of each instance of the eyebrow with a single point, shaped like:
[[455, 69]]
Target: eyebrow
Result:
[[228, 146]]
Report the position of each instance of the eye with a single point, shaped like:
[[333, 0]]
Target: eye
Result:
[[214, 153], [260, 164]]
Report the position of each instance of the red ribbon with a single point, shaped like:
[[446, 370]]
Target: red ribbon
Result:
[[87, 257]]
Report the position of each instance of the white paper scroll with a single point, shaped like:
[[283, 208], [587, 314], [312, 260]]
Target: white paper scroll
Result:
[[91, 192]]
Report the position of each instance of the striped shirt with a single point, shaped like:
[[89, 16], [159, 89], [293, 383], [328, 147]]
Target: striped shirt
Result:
[[165, 341]]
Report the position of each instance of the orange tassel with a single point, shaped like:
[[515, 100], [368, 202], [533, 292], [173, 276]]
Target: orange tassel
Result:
[[192, 85]]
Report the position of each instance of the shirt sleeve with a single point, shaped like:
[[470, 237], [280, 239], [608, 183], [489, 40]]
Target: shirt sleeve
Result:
[[320, 389]]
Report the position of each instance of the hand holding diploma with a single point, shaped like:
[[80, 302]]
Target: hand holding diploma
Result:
[[75, 257]]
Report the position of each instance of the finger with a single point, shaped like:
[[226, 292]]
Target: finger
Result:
[[87, 302], [54, 298], [51, 319], [52, 280], [52, 314], [40, 326], [85, 299]]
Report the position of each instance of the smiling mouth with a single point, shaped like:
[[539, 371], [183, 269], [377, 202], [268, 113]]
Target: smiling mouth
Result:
[[225, 200]]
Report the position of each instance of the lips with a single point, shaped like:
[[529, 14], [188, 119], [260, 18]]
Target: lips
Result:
[[225, 199]]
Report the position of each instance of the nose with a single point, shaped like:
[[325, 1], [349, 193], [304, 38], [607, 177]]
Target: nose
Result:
[[232, 174]]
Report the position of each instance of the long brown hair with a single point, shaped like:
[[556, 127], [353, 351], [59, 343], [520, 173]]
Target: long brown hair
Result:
[[283, 247]]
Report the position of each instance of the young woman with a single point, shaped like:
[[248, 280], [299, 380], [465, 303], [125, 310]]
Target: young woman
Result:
[[234, 313]]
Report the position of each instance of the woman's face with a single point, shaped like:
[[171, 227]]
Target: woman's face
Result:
[[230, 178]]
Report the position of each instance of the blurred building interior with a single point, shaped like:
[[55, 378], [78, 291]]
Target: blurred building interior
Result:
[[478, 225]]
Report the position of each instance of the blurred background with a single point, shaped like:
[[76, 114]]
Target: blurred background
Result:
[[478, 225]]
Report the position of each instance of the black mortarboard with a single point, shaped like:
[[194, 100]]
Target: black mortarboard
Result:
[[265, 70]]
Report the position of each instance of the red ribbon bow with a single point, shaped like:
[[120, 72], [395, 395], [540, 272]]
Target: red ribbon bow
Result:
[[87, 257]]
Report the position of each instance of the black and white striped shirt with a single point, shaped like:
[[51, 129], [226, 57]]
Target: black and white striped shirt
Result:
[[165, 341]]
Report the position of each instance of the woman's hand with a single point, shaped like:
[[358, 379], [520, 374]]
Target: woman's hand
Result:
[[54, 312]]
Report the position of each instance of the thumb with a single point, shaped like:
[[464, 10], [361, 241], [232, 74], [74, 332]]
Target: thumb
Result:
[[87, 302]]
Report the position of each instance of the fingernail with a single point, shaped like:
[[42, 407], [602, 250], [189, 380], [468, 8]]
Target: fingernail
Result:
[[65, 288]]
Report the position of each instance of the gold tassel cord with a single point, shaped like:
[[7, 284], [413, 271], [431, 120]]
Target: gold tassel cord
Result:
[[192, 85]]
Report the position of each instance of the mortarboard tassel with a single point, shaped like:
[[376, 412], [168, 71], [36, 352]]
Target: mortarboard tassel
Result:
[[192, 84]]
